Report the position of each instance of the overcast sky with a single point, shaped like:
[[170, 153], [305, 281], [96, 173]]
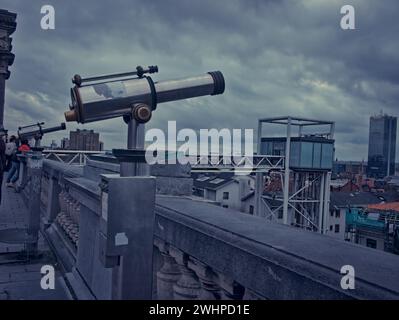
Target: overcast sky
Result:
[[278, 58]]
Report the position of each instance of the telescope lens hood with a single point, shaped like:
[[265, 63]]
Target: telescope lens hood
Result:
[[218, 80]]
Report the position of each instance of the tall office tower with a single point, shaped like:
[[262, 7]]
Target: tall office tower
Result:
[[382, 146]]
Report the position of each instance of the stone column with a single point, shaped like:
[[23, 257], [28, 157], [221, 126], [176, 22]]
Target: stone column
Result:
[[7, 27]]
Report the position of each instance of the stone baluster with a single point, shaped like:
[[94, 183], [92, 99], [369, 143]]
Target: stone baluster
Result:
[[188, 286], [169, 273], [230, 290], [251, 295], [62, 200], [209, 287]]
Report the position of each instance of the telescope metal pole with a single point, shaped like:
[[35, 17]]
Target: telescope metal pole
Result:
[[135, 140]]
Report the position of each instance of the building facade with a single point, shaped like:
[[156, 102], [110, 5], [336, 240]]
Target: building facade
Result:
[[87, 140], [382, 146], [225, 189], [7, 27]]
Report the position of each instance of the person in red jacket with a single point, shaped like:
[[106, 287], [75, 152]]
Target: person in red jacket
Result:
[[24, 147], [13, 175]]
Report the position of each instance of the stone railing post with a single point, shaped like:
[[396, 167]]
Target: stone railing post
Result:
[[231, 290], [209, 288], [53, 204], [35, 164], [168, 275], [250, 295], [188, 286]]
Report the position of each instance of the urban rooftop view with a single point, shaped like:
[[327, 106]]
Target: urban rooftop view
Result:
[[187, 179]]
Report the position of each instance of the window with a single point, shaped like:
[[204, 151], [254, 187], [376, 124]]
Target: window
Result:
[[216, 181], [336, 228], [316, 155], [331, 228], [225, 195], [337, 213], [251, 209], [371, 243], [203, 178], [295, 154], [306, 154], [327, 156], [332, 213]]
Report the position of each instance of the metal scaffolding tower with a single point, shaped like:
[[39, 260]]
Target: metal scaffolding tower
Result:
[[304, 195]]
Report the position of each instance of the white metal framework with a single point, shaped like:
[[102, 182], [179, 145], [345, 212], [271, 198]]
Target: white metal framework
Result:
[[77, 157], [304, 196], [242, 164]]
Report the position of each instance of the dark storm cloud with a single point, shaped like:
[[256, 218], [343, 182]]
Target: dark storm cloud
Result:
[[278, 58]]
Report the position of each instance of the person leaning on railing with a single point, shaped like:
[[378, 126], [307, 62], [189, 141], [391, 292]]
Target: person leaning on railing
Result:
[[13, 174]]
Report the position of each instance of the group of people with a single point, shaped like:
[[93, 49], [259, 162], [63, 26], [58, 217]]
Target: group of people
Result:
[[9, 148]]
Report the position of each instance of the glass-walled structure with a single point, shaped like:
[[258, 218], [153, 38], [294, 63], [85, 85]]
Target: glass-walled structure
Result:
[[306, 153]]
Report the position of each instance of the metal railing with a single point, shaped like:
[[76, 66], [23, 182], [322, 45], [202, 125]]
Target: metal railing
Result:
[[255, 163], [72, 157]]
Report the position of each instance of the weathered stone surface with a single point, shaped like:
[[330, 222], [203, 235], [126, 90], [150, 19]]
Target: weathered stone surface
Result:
[[20, 279], [272, 260], [174, 186]]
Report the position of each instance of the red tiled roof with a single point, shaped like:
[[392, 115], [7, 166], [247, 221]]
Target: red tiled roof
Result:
[[390, 206]]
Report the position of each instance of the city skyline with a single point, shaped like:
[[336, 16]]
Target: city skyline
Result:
[[279, 59]]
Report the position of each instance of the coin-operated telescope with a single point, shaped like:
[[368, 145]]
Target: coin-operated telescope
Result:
[[126, 230], [36, 131], [106, 97], [134, 96]]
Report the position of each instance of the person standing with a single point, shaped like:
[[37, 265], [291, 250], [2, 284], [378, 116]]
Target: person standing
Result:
[[11, 148], [13, 174]]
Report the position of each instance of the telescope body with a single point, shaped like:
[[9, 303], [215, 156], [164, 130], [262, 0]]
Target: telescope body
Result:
[[116, 98], [36, 131]]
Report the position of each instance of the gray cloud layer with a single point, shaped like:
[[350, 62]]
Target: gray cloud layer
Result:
[[278, 58]]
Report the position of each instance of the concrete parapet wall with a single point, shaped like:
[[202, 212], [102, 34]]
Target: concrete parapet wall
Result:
[[208, 252]]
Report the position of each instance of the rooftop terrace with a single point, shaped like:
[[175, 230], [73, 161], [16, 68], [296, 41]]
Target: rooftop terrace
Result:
[[199, 250]]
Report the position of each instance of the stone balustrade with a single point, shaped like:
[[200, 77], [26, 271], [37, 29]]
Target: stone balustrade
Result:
[[203, 251]]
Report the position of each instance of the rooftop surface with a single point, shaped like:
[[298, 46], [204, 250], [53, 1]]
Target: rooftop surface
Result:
[[20, 275]]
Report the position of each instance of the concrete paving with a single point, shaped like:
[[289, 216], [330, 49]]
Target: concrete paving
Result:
[[20, 276]]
